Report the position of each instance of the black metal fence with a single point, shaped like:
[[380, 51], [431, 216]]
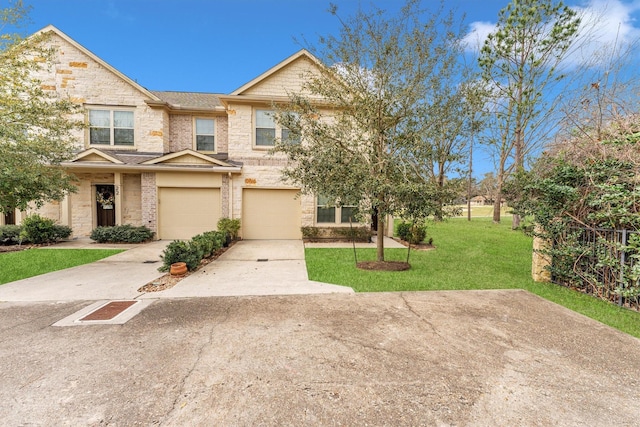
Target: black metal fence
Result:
[[598, 261]]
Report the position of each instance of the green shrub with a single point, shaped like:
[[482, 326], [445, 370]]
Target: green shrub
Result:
[[231, 227], [411, 232], [37, 229], [359, 234], [10, 235], [121, 234], [209, 242], [310, 232], [180, 251]]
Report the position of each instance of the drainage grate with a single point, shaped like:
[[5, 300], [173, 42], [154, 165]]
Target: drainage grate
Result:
[[150, 261], [109, 311], [263, 259]]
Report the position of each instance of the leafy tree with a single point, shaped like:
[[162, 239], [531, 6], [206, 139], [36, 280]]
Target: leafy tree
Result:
[[519, 61], [363, 116], [35, 124]]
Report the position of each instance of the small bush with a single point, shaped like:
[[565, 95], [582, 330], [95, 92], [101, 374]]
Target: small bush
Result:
[[310, 232], [38, 230], [121, 234], [180, 251], [411, 232], [359, 234], [229, 226], [191, 252], [10, 235]]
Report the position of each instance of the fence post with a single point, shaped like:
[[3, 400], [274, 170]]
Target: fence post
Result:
[[623, 260], [540, 261]]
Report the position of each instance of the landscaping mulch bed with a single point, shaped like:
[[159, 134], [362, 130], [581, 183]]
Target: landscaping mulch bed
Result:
[[168, 281], [383, 265], [16, 248], [419, 247]]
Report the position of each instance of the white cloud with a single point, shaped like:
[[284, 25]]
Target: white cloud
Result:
[[605, 25], [475, 38]]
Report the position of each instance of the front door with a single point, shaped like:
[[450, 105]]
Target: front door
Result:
[[106, 205]]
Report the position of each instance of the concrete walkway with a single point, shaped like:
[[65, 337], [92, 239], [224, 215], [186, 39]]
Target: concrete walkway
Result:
[[252, 267]]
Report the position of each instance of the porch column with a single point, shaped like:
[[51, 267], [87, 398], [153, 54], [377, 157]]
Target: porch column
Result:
[[117, 188], [65, 210]]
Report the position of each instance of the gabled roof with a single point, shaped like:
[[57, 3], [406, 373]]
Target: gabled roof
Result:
[[52, 29], [275, 69], [186, 157], [190, 100], [95, 155]]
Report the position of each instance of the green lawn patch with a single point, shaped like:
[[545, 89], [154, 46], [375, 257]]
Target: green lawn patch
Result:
[[33, 262], [468, 255]]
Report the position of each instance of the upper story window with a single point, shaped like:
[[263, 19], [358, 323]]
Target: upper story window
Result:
[[205, 134], [267, 130], [111, 127]]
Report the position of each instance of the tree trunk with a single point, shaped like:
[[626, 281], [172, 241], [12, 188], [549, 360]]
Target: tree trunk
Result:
[[496, 207], [380, 239]]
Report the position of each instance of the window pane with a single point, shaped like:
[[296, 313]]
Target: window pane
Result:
[[123, 119], [204, 143], [348, 211], [100, 118], [99, 136], [204, 127], [265, 137], [326, 214], [264, 119], [123, 136], [290, 137]]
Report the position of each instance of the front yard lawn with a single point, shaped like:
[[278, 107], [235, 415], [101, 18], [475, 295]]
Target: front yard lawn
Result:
[[468, 255], [32, 262]]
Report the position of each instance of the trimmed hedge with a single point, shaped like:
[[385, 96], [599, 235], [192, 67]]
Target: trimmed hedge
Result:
[[10, 235], [192, 251], [359, 234], [121, 234], [38, 230], [412, 233]]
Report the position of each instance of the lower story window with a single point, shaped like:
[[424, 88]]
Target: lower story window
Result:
[[327, 213]]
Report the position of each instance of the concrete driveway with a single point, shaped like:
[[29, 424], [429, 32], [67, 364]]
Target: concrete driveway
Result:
[[252, 267], [473, 358]]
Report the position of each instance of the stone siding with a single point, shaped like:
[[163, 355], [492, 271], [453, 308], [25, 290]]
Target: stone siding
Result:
[[288, 79], [149, 201], [131, 199], [77, 76], [181, 133]]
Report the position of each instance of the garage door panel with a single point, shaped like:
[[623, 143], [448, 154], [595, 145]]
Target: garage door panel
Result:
[[271, 214], [185, 212]]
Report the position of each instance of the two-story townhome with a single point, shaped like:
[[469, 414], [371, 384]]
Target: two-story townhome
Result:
[[173, 161]]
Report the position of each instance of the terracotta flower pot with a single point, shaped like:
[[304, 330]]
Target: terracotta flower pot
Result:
[[178, 268]]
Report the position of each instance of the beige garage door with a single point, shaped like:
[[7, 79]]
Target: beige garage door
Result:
[[185, 212], [270, 214]]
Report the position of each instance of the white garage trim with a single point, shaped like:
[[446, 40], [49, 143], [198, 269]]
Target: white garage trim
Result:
[[271, 214]]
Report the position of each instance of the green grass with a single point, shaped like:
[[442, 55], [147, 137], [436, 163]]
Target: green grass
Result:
[[468, 255], [32, 262]]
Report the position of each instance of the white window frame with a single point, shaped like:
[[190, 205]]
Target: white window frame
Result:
[[112, 128], [279, 131], [196, 134], [337, 220]]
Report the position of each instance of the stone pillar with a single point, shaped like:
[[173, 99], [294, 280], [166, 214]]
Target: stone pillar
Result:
[[540, 261], [65, 210], [117, 189]]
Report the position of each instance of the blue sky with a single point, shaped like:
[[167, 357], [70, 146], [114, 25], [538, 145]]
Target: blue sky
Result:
[[206, 45], [219, 45]]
